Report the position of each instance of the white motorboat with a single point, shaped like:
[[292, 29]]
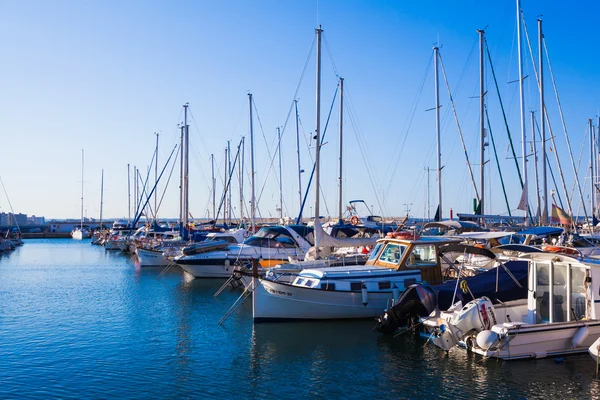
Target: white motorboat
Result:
[[271, 245], [360, 291], [162, 247], [560, 315]]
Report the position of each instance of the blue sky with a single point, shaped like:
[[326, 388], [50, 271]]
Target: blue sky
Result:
[[104, 76]]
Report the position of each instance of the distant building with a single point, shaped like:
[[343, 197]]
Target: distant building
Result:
[[17, 219], [33, 220]]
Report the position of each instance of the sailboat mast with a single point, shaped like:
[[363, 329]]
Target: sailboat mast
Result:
[[437, 130], [280, 177], [225, 188], [544, 210], [318, 133], [241, 170], [481, 121], [181, 180], [535, 172], [186, 170], [229, 173], [81, 189], [101, 197], [214, 187], [522, 108], [252, 205], [156, 177], [129, 193], [298, 154], [341, 147], [592, 186]]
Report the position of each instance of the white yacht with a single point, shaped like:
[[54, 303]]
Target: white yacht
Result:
[[359, 291], [560, 316], [271, 245]]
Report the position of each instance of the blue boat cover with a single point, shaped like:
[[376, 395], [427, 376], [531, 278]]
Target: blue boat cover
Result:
[[484, 284]]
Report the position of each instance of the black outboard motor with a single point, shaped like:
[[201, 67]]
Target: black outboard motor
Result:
[[417, 301]]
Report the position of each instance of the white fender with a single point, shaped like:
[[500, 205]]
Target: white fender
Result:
[[486, 339], [581, 334], [365, 295]]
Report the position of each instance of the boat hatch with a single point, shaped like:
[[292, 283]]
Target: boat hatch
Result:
[[559, 292]]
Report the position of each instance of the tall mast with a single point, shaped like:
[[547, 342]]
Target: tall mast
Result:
[[544, 210], [522, 107], [341, 147], [181, 153], [280, 177], [81, 189], [101, 197], [481, 121], [538, 211], [592, 185], [156, 177], [186, 170], [298, 153], [318, 133], [225, 189], [252, 205], [437, 129], [129, 193], [241, 170], [214, 187], [229, 173]]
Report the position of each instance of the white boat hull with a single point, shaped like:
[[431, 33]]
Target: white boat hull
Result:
[[152, 258], [277, 301], [208, 270], [80, 234], [540, 340]]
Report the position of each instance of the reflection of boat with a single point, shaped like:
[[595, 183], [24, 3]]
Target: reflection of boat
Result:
[[560, 315], [272, 244], [360, 291]]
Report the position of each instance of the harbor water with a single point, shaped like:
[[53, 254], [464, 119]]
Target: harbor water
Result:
[[77, 321]]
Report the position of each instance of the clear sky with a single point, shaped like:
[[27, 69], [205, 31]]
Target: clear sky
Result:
[[104, 76]]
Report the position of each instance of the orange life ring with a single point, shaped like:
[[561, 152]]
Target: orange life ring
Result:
[[354, 220]]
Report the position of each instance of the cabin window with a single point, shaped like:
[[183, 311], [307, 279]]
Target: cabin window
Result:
[[328, 286], [422, 256], [578, 292], [309, 282], [355, 286], [392, 253], [542, 293], [559, 292], [385, 285], [300, 281], [375, 251]]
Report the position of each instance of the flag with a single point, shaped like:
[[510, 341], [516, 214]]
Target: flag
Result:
[[523, 202], [559, 215]]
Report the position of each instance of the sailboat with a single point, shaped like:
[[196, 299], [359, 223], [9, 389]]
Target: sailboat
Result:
[[81, 232]]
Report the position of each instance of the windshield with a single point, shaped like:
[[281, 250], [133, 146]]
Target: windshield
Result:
[[392, 253], [271, 237]]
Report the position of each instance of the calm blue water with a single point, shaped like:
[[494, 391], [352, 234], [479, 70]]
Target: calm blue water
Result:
[[79, 322]]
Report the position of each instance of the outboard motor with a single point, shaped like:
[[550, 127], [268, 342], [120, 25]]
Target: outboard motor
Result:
[[417, 301], [454, 325]]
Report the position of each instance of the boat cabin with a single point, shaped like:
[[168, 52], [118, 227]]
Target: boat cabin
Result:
[[411, 254], [562, 288]]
